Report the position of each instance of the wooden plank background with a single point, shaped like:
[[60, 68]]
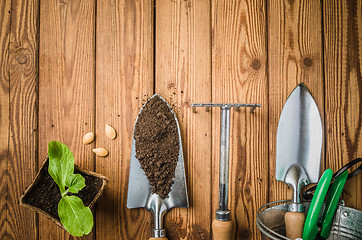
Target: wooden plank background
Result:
[[68, 67]]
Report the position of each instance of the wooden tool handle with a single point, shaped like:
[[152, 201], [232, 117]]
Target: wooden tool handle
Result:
[[294, 223], [222, 230], [152, 238]]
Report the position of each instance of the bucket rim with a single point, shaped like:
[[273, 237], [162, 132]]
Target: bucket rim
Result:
[[270, 233], [340, 219]]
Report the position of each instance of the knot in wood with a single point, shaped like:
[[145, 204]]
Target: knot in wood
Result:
[[170, 85], [245, 233], [63, 2], [255, 64], [307, 61], [21, 57]]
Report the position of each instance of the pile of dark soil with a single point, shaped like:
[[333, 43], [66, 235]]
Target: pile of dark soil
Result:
[[157, 144], [45, 193]]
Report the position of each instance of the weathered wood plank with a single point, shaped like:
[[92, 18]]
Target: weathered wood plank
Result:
[[124, 60], [295, 55], [239, 56], [20, 76], [5, 15], [66, 85], [343, 91], [183, 76]]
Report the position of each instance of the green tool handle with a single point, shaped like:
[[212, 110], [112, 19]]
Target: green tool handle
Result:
[[332, 203], [310, 230]]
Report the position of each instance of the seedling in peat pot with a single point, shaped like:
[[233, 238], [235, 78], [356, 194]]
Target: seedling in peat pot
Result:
[[76, 218]]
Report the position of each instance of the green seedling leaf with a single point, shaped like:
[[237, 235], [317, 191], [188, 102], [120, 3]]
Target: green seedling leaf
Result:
[[76, 218], [75, 183], [61, 163]]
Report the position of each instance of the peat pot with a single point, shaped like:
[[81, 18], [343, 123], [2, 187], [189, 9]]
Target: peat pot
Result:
[[347, 222], [43, 195]]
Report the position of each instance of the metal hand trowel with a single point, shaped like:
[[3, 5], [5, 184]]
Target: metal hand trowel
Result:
[[298, 151], [139, 189]]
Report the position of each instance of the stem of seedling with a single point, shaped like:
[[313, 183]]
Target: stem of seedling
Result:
[[65, 193]]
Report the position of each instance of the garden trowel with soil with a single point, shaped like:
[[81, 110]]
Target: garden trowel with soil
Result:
[[157, 175], [298, 152]]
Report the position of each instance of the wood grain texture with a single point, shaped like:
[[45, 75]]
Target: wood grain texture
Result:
[[66, 85], [294, 55], [124, 54], [5, 16], [239, 75], [183, 76], [21, 152], [343, 90], [99, 61]]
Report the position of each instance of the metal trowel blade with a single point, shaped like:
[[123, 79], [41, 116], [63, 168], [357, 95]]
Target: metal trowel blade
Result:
[[139, 188], [299, 136]]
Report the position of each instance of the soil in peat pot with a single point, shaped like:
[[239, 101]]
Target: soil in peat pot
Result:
[[157, 144], [45, 193]]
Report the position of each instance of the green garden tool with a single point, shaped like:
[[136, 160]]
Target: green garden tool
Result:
[[315, 228]]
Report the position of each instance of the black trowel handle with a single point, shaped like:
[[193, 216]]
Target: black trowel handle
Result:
[[294, 223]]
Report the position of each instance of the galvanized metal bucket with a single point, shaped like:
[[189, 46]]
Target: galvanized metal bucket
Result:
[[347, 222]]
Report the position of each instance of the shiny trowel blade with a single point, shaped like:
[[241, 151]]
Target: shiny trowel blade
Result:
[[139, 188], [299, 136]]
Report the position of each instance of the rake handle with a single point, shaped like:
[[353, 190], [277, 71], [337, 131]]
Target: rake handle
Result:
[[222, 230]]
